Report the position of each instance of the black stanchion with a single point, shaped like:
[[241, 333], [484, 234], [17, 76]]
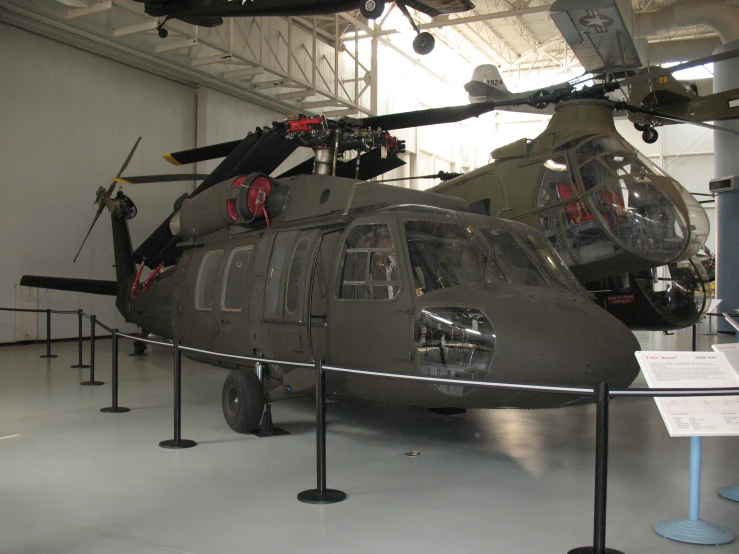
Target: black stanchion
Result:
[[321, 495], [601, 477], [266, 426], [178, 441], [694, 337], [48, 336], [92, 382], [115, 408], [79, 363]]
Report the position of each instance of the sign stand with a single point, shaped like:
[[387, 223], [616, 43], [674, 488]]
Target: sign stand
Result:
[[731, 351], [694, 530], [694, 417], [711, 314]]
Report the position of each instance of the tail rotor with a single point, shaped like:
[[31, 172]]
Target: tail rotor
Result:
[[104, 194]]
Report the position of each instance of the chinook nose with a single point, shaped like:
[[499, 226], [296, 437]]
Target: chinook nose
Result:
[[558, 341]]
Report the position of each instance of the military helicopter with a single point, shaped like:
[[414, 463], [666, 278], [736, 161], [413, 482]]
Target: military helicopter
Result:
[[210, 13], [361, 274], [610, 213]]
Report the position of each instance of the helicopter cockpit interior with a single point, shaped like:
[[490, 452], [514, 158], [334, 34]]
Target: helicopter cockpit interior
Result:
[[601, 197]]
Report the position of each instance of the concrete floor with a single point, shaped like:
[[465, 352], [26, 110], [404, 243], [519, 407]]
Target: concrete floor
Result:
[[74, 480]]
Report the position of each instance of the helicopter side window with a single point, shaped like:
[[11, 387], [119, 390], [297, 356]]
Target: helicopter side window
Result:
[[274, 273], [292, 293], [206, 287], [234, 283], [369, 266], [554, 174]]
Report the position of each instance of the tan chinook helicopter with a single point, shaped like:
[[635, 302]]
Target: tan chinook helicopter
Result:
[[611, 214], [327, 265]]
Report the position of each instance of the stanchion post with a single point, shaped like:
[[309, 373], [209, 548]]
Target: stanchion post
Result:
[[48, 336], [321, 495], [79, 363], [178, 441], [266, 426], [601, 476], [695, 336], [114, 408], [92, 382]]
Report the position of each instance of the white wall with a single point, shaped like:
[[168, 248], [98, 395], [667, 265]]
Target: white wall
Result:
[[67, 122]]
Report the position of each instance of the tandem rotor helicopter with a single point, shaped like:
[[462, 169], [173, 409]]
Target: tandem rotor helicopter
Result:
[[210, 13]]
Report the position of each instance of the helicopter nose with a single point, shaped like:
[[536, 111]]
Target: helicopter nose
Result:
[[561, 341]]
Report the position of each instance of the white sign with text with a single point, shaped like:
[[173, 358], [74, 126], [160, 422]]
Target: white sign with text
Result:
[[693, 416]]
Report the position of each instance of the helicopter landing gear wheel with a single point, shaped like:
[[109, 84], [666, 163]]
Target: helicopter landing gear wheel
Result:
[[372, 9], [650, 135], [242, 401], [163, 33], [641, 127], [423, 43]]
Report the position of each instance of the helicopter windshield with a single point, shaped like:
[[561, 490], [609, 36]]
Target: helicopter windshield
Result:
[[444, 254], [610, 200]]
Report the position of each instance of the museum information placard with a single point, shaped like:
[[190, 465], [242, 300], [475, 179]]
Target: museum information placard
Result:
[[693, 416]]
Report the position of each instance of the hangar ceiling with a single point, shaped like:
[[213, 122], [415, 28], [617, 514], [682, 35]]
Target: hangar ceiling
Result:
[[300, 69]]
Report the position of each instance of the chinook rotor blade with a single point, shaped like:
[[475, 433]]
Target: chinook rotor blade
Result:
[[677, 119], [203, 153], [101, 199]]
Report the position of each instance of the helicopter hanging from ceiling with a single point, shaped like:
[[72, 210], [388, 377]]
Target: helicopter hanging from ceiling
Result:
[[210, 13]]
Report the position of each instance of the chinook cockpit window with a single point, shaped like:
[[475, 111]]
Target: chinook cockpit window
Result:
[[206, 287], [369, 265]]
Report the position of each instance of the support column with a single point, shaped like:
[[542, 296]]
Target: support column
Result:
[[726, 163]]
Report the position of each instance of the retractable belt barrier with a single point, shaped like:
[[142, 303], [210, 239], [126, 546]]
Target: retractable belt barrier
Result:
[[323, 495]]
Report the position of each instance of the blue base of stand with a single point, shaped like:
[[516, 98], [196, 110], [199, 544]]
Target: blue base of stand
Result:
[[730, 493], [694, 532]]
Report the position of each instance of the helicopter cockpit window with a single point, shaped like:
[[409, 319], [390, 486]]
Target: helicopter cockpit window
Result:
[[513, 259], [445, 255], [234, 284], [369, 265], [206, 287]]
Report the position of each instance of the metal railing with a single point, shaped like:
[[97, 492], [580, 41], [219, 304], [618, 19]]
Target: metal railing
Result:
[[323, 495]]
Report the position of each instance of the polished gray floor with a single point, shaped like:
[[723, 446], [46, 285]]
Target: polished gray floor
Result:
[[74, 480]]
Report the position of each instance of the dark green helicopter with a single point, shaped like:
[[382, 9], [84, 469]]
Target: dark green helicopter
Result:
[[320, 263]]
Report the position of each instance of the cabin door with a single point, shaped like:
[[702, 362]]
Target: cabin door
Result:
[[370, 306], [286, 293]]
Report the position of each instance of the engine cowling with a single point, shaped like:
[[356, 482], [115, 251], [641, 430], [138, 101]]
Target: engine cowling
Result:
[[249, 200]]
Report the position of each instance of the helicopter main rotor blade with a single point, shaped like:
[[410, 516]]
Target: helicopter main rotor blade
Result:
[[435, 116], [168, 178], [204, 153], [668, 70], [675, 118], [101, 198]]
